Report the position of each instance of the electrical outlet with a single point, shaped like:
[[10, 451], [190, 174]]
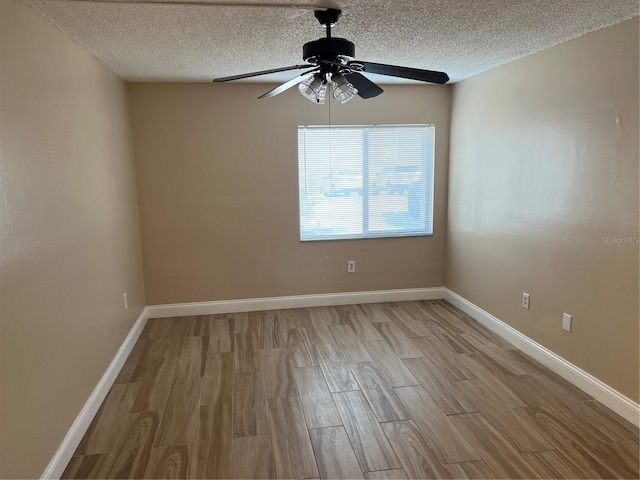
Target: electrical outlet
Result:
[[525, 301], [566, 322], [351, 266], [125, 300]]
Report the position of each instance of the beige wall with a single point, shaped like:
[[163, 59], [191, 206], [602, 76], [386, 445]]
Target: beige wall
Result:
[[544, 164], [218, 194], [69, 231]]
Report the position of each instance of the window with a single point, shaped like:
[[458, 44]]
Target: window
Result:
[[365, 181]]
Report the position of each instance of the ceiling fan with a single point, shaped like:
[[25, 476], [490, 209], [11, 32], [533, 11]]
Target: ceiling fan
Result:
[[331, 62]]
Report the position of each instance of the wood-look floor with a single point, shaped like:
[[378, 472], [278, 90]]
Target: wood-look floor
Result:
[[378, 391]]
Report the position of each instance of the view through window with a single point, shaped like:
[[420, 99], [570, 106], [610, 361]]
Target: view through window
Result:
[[365, 181]]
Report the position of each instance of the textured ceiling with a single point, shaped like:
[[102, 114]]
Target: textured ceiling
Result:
[[198, 43]]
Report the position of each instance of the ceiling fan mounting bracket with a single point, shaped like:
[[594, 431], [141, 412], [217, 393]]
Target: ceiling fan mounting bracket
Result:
[[329, 17]]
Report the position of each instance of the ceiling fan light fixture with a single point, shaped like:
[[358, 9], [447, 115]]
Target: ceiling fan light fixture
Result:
[[343, 91], [314, 89]]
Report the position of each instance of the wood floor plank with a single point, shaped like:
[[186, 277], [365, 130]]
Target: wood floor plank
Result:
[[493, 352], [168, 462], [411, 325], [217, 383], [318, 332], [316, 328], [158, 327], [494, 390], [292, 318], [134, 364], [497, 452], [444, 304], [626, 451], [267, 331], [471, 470], [280, 329], [212, 443], [550, 464], [534, 394], [334, 454], [328, 315], [85, 466], [278, 374], [246, 357], [415, 454], [253, 457], [249, 406], [455, 344], [362, 326], [344, 312], [180, 416], [395, 474], [301, 352], [241, 322], [292, 450], [335, 369], [131, 452], [374, 312], [414, 309], [197, 326], [111, 416], [155, 384], [442, 358], [146, 331], [615, 428], [193, 356], [444, 438], [372, 449], [439, 387], [170, 343], [349, 344], [518, 430], [317, 403], [384, 401], [594, 458], [550, 381], [482, 366], [453, 321], [390, 365], [221, 336], [476, 328], [397, 340]]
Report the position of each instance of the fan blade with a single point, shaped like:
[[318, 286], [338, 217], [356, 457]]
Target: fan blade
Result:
[[403, 72], [263, 72], [289, 84], [366, 88]]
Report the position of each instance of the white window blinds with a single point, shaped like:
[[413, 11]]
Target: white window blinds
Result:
[[365, 181]]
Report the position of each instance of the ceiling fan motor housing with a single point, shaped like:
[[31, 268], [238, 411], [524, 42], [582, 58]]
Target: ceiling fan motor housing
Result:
[[329, 49]]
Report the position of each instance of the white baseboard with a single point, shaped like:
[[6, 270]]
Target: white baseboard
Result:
[[622, 405], [297, 301], [63, 455]]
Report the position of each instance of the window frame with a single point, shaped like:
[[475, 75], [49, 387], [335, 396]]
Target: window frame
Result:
[[429, 198]]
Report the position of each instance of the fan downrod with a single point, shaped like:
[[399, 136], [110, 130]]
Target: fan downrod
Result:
[[328, 49]]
